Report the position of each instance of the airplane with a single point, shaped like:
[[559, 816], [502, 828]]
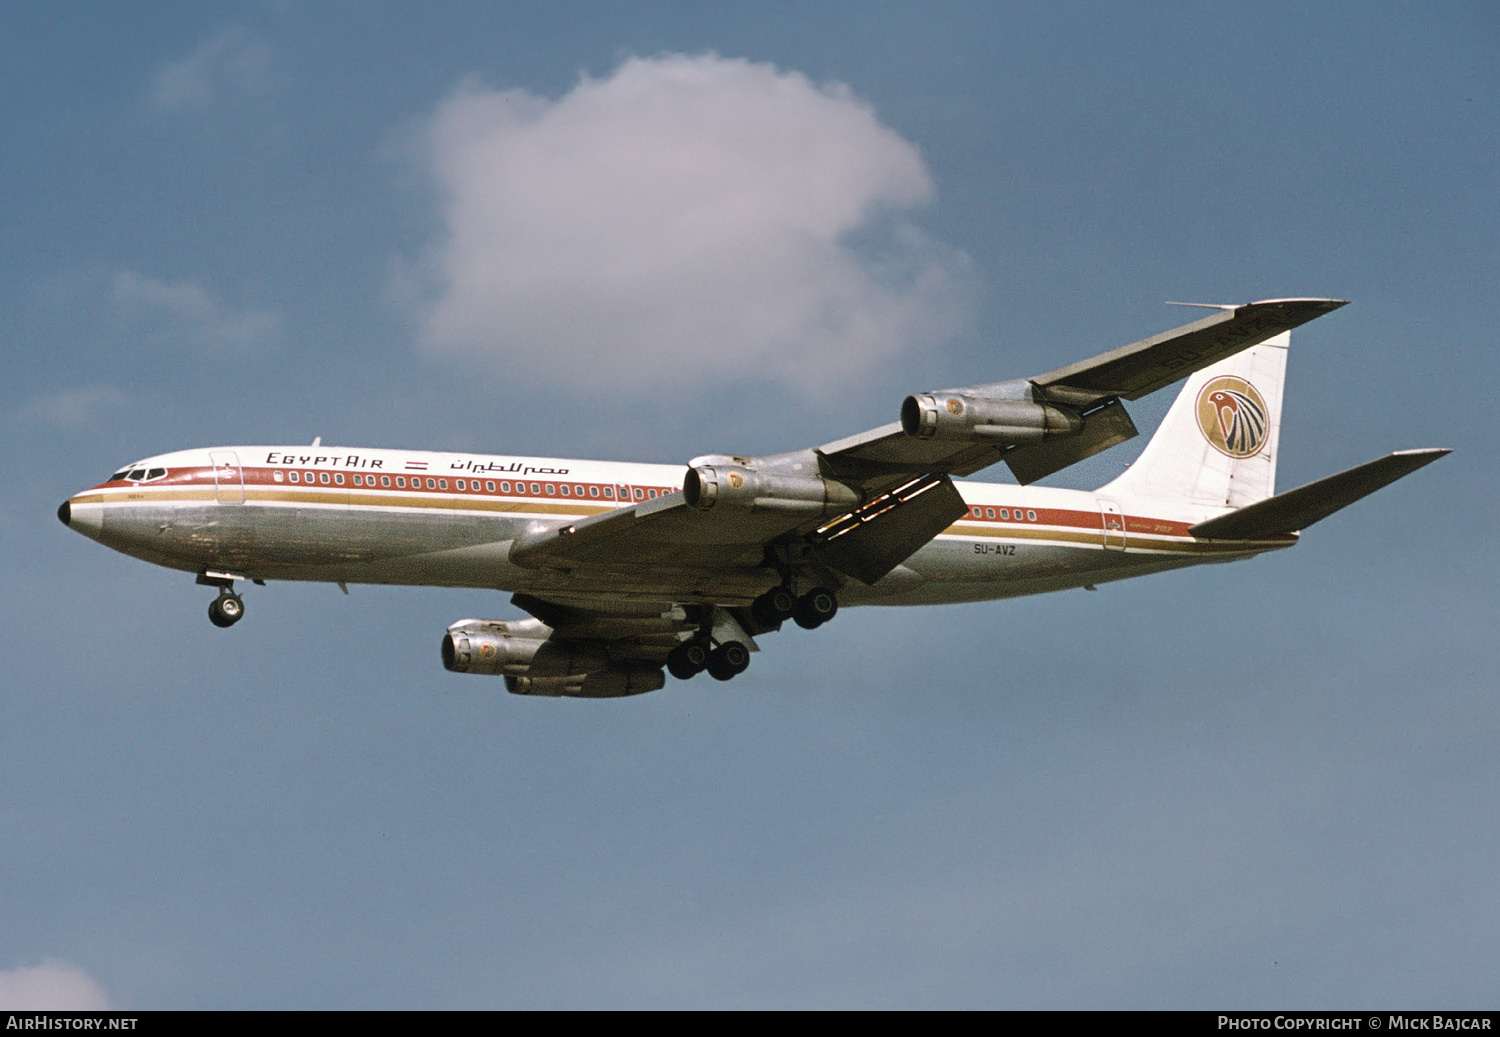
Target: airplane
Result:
[[626, 569]]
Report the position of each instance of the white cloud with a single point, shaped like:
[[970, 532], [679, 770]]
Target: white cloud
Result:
[[52, 986], [233, 63], [186, 310], [685, 220], [74, 408]]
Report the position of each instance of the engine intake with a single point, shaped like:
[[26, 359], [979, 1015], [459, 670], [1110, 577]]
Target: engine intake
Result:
[[492, 646]]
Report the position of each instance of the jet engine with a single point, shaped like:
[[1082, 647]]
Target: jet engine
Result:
[[523, 652], [724, 484], [975, 419], [492, 646]]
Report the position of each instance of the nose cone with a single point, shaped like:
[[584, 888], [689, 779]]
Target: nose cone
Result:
[[84, 515]]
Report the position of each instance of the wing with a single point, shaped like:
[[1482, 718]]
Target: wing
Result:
[[677, 549], [857, 508], [1091, 390]]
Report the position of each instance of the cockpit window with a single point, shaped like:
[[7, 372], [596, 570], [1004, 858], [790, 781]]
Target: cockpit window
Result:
[[138, 474]]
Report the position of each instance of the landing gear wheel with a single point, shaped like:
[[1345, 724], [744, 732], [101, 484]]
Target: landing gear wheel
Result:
[[815, 608], [774, 606], [728, 660], [688, 660], [226, 610]]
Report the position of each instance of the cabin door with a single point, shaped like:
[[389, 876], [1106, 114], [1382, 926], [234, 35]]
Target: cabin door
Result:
[[1114, 525], [229, 478]]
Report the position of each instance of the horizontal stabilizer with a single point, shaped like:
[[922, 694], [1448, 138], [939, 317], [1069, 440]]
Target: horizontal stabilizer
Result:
[[1300, 508]]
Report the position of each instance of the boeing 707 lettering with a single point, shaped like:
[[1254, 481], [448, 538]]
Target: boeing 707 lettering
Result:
[[627, 569]]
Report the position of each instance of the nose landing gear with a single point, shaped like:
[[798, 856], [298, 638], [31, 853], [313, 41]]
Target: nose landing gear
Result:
[[227, 609]]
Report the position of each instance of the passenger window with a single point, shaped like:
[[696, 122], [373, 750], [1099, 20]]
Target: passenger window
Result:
[[1030, 516], [277, 475], [339, 478], [323, 478], [536, 488], [609, 491], [640, 494], [989, 512], [292, 476], [593, 491], [505, 487], [551, 489], [385, 480], [489, 486], [566, 491]]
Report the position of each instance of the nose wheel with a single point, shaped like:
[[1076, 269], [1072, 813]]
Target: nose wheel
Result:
[[227, 609]]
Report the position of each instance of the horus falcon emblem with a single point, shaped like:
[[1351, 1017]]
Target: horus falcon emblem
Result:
[[1232, 416]]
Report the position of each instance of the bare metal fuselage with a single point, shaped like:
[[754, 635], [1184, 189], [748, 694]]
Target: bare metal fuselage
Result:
[[451, 520]]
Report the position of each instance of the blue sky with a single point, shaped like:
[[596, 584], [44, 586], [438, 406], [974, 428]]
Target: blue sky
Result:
[[1270, 784]]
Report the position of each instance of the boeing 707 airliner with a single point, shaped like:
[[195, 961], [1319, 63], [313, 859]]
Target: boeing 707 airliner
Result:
[[629, 568]]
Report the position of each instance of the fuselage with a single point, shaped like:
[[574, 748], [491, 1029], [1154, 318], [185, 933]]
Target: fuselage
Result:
[[381, 516]]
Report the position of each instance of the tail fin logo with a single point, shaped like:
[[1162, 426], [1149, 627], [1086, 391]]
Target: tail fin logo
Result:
[[1232, 416]]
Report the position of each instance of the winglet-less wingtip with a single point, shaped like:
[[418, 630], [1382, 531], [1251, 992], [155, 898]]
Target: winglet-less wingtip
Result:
[[1328, 304]]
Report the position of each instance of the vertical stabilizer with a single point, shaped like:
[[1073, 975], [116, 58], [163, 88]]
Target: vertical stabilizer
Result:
[[1217, 445]]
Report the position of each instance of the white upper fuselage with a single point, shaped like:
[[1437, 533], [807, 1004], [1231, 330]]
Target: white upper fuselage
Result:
[[359, 515]]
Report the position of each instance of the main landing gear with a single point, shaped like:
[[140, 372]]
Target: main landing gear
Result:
[[730, 658], [779, 604], [691, 658]]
